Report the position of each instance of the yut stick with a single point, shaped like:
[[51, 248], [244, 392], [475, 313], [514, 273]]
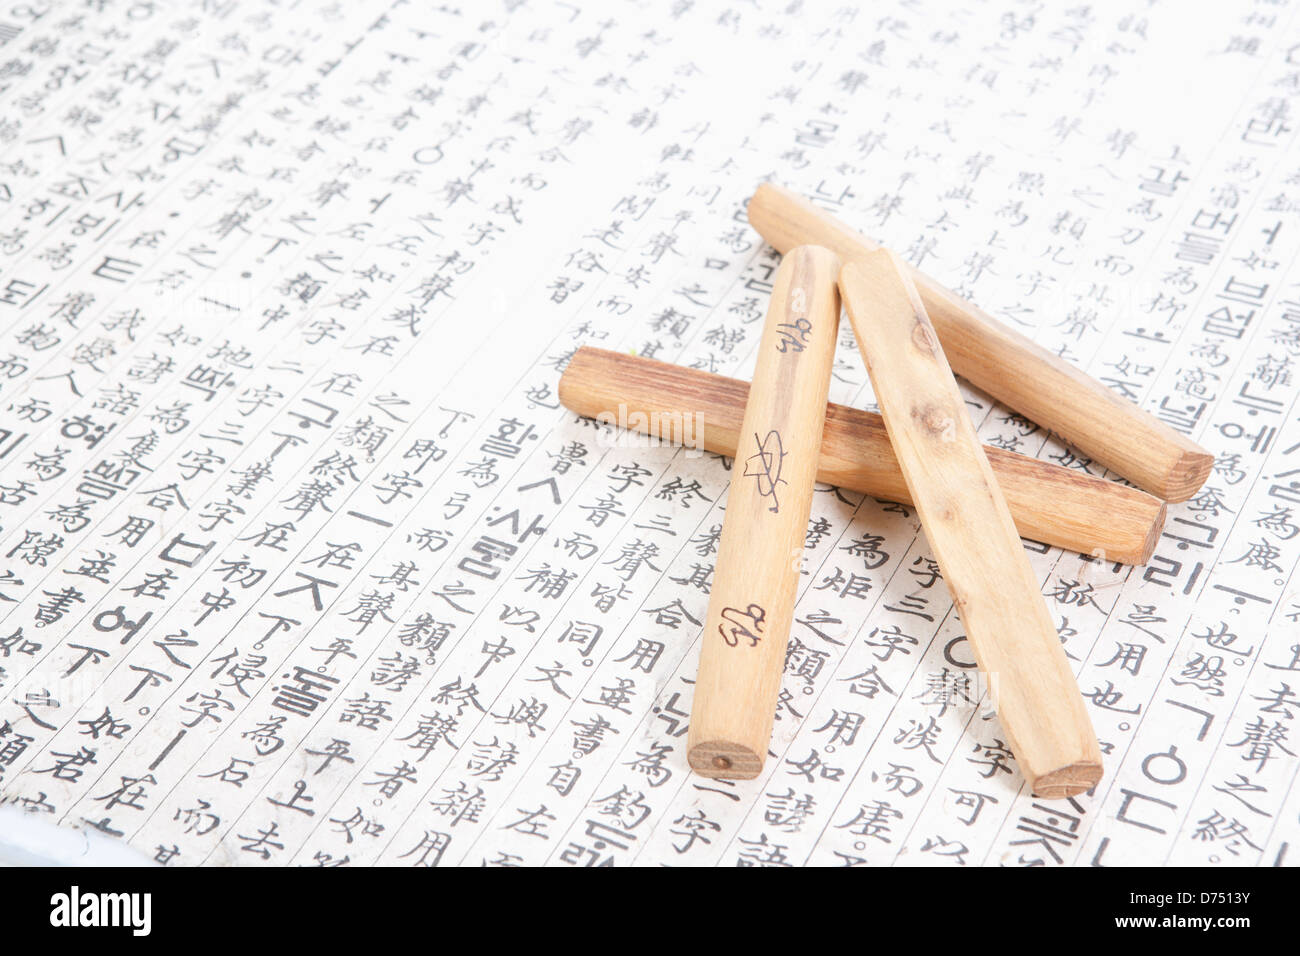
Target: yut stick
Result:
[[1045, 388], [742, 652], [1059, 506], [970, 531]]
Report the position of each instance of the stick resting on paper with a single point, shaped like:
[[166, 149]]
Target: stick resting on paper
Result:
[[969, 529], [751, 602], [1059, 506], [1043, 387]]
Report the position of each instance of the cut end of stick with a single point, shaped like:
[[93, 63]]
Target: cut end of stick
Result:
[[761, 213], [582, 365], [725, 760], [1153, 536], [1068, 781], [1188, 474], [866, 266]]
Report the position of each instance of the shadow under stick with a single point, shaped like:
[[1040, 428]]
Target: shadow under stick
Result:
[[1013, 369], [969, 529], [751, 603]]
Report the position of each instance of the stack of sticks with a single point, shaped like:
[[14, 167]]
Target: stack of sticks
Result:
[[974, 502]]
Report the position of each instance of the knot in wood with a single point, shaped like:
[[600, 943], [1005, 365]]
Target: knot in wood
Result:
[[936, 422], [923, 337]]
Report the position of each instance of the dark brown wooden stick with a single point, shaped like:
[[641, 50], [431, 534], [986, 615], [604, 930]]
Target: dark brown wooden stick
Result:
[[1056, 505]]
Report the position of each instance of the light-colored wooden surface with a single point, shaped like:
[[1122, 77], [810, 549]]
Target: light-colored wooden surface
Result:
[[970, 531], [1059, 506], [751, 602], [1046, 389]]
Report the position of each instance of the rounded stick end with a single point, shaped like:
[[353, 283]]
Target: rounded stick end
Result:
[[1153, 536], [769, 212], [1068, 781], [1187, 475], [725, 760]]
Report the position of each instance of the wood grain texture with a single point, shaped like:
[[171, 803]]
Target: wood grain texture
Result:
[[1059, 506], [751, 602], [969, 528], [1043, 387]]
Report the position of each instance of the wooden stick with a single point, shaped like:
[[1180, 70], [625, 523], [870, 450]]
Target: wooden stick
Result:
[[969, 528], [1056, 505], [751, 603], [1045, 388]]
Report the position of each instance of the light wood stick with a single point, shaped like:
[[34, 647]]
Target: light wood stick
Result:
[[1045, 388], [1056, 505], [970, 531], [751, 603]]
